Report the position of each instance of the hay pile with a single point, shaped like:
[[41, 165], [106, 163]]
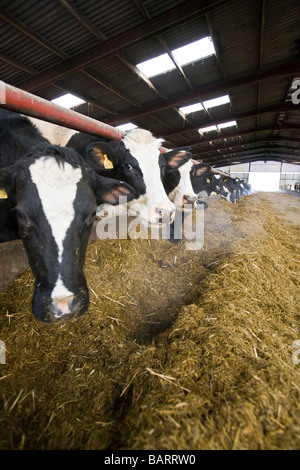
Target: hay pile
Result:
[[179, 349]]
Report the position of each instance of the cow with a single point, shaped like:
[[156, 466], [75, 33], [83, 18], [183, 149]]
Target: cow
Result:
[[135, 159], [179, 187], [244, 188], [231, 188], [207, 182], [178, 184], [53, 195], [17, 136]]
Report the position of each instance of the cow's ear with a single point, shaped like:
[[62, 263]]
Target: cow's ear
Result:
[[176, 158], [202, 169], [109, 191], [102, 154], [7, 181]]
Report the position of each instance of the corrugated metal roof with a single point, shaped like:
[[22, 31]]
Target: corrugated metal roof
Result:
[[39, 35]]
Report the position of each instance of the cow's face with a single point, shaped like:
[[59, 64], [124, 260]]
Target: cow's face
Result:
[[216, 185], [114, 159], [201, 178], [56, 201], [229, 189], [183, 192], [135, 159], [153, 206]]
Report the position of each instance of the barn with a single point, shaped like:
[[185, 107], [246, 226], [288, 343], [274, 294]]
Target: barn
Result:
[[183, 329]]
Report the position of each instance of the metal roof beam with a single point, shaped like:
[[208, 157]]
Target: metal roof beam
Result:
[[250, 150], [4, 15], [112, 46], [225, 158], [285, 68], [245, 159], [258, 158], [82, 19], [288, 106], [252, 142], [251, 131], [250, 158]]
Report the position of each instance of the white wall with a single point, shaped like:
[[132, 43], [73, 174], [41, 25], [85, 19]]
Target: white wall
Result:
[[289, 174], [262, 166], [264, 180]]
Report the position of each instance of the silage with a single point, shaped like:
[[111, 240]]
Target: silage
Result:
[[179, 349]]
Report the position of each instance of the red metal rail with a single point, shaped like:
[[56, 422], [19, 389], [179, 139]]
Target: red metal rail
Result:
[[21, 101]]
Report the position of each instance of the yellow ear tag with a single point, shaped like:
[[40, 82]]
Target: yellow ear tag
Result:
[[207, 180], [3, 194], [107, 163]]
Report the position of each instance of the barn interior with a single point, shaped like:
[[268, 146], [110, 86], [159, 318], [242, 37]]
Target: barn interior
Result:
[[180, 349]]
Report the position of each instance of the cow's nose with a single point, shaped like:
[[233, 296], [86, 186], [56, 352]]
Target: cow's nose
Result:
[[62, 307], [189, 199], [165, 213]]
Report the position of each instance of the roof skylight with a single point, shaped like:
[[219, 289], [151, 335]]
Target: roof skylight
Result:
[[218, 127], [183, 55], [227, 124], [208, 129], [194, 51], [216, 101], [126, 127], [207, 104], [157, 65], [192, 108], [68, 101]]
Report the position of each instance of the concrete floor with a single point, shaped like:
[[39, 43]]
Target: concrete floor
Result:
[[285, 205]]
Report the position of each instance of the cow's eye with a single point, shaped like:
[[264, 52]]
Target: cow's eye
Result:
[[128, 167], [21, 216], [91, 218]]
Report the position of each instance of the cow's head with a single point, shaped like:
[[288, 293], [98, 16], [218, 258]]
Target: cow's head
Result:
[[178, 181], [229, 189], [137, 160], [55, 196], [201, 177]]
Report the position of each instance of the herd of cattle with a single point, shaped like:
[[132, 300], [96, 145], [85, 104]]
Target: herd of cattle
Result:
[[49, 197]]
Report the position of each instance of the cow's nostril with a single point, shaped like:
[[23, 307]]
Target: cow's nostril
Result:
[[63, 306], [165, 215], [187, 199]]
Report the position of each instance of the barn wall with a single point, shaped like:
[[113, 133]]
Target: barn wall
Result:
[[289, 173]]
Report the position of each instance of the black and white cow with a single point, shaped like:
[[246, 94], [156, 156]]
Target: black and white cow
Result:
[[178, 183], [179, 187], [231, 188], [207, 182], [53, 195], [135, 159], [243, 188], [17, 137]]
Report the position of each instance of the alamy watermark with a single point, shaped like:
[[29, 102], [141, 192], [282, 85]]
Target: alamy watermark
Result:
[[296, 94], [116, 223], [2, 353], [296, 354]]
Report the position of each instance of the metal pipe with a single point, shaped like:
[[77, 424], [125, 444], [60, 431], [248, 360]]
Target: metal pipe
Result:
[[21, 101]]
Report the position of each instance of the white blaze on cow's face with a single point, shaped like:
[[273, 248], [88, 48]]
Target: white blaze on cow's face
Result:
[[217, 186], [57, 187], [154, 204], [184, 193]]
